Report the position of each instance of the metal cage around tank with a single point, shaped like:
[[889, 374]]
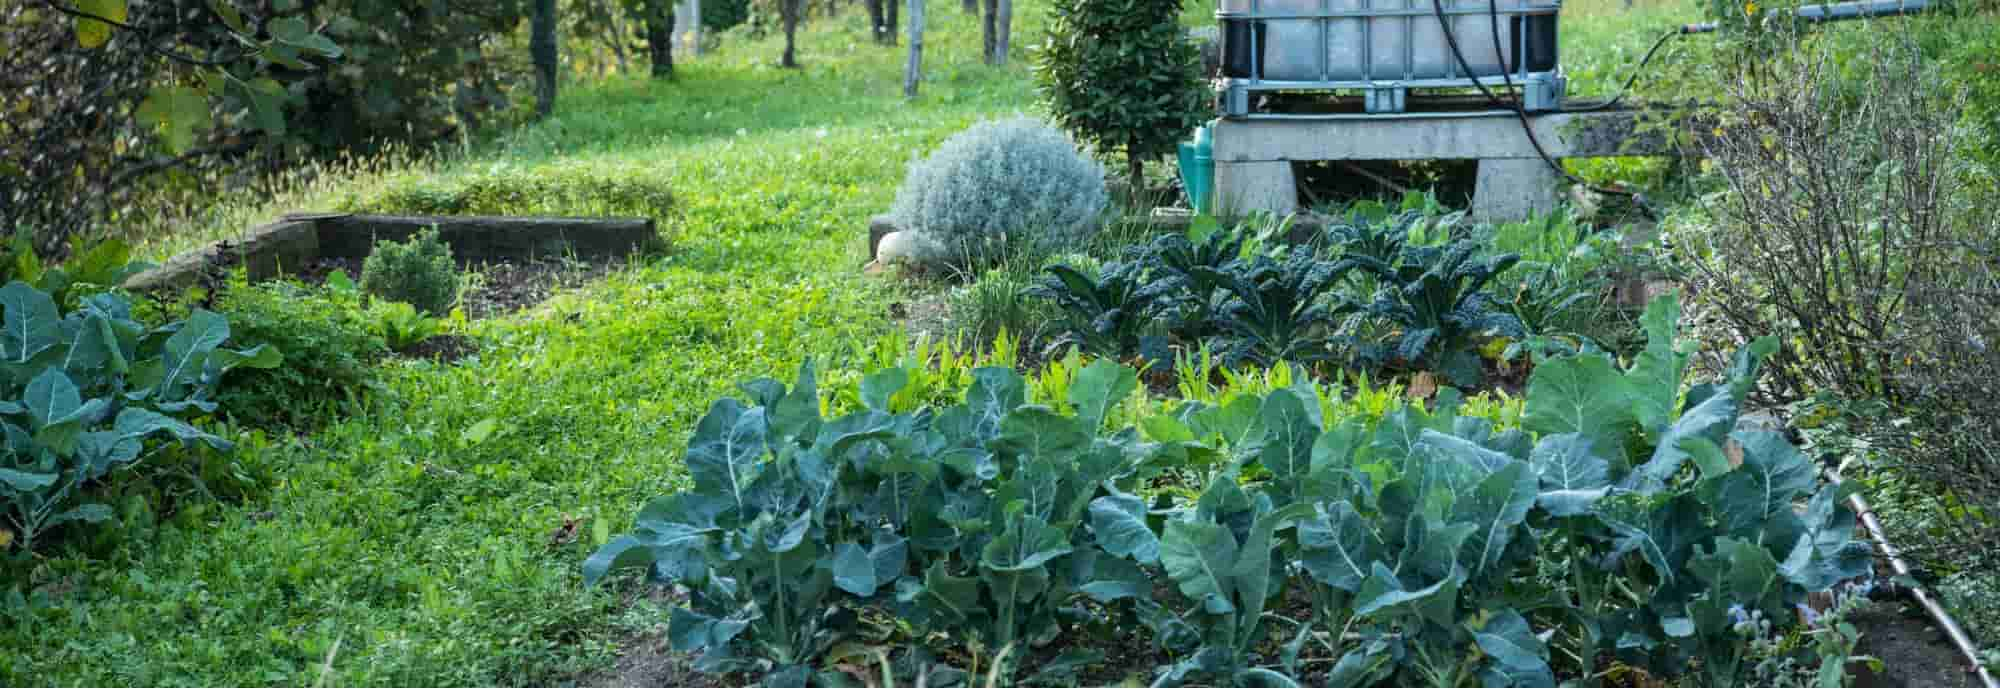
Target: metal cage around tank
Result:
[[1384, 49]]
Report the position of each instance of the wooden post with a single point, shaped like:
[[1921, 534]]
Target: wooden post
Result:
[[542, 47], [988, 30], [891, 9], [790, 11], [690, 14], [913, 72], [1003, 32], [878, 22], [659, 18]]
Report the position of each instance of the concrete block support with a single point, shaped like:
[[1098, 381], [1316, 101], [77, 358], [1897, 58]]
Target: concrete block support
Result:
[[1253, 157], [1255, 185], [1511, 189]]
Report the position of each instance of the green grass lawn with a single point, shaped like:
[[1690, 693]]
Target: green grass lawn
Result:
[[395, 549], [426, 557]]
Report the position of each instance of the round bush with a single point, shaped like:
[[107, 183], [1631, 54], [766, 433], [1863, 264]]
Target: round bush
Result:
[[420, 273], [993, 188]]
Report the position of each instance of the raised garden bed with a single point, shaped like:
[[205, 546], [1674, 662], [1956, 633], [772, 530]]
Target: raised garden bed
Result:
[[309, 244]]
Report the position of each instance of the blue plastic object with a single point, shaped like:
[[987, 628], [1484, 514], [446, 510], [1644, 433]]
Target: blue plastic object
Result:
[[1198, 170]]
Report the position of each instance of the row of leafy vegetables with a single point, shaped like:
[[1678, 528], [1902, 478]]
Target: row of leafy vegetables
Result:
[[1361, 288], [1622, 523]]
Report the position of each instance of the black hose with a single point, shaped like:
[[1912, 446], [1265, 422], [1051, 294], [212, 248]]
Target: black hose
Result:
[[1630, 80], [1527, 128]]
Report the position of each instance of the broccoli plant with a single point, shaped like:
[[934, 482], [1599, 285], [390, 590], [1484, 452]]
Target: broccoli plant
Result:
[[967, 520], [86, 395]]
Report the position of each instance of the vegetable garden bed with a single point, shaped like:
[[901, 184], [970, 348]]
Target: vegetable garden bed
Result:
[[1617, 529], [309, 243]]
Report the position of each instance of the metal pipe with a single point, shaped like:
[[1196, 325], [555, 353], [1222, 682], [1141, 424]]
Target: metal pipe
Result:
[[1937, 612], [1835, 12]]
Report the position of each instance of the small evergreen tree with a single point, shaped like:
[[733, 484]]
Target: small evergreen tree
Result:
[[420, 272], [1123, 75]]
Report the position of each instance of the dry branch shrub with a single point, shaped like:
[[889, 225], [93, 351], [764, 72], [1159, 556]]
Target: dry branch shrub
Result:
[[1839, 203], [1847, 228]]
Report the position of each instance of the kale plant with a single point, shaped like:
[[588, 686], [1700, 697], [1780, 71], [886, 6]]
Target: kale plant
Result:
[[1434, 298], [1106, 314], [1189, 290], [1274, 310]]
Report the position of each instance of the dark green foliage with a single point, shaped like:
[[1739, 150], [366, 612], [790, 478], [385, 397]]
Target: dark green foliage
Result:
[[1428, 309], [1190, 282], [1262, 308], [1122, 75], [719, 15], [91, 266], [420, 272], [1369, 241], [1433, 301], [1106, 314], [1274, 310], [84, 395], [968, 520], [330, 354], [95, 111], [414, 70], [1431, 549]]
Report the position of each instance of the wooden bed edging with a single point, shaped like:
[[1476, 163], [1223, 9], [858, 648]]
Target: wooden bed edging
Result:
[[293, 242]]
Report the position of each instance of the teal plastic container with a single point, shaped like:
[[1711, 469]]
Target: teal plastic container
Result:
[[1197, 162]]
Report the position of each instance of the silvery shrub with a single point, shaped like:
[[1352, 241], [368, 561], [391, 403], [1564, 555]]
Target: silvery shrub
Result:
[[1003, 187]]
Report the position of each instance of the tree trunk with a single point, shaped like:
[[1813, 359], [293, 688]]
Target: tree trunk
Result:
[[1135, 168], [878, 23], [1004, 34], [988, 31], [542, 47], [660, 36], [914, 71], [619, 32], [790, 10], [890, 8]]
